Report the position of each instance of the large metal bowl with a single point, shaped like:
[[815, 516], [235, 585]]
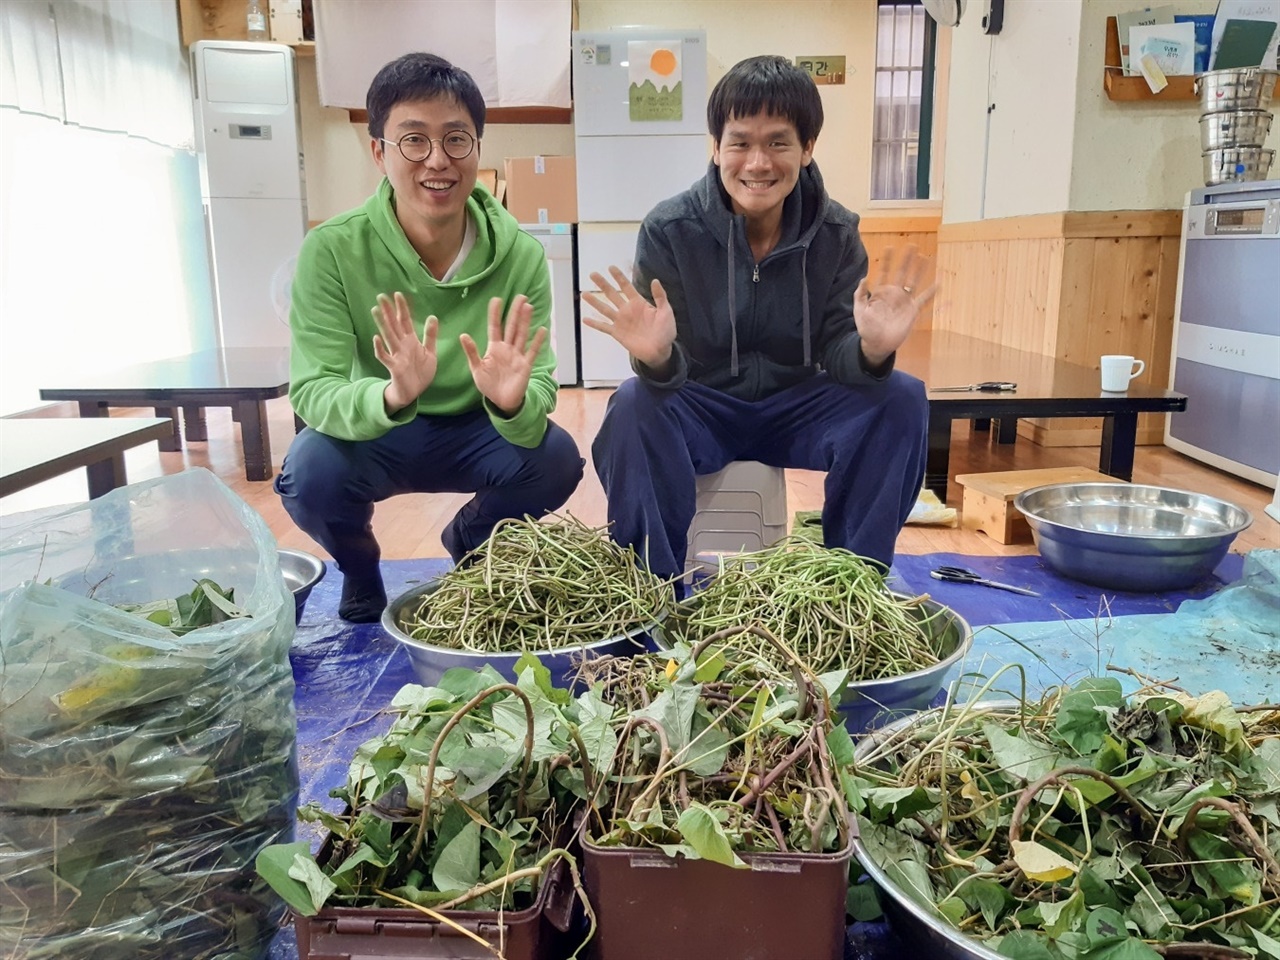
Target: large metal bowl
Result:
[[1129, 536], [301, 572], [920, 928], [866, 704], [431, 661]]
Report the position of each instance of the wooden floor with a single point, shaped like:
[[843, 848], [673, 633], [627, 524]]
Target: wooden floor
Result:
[[409, 526]]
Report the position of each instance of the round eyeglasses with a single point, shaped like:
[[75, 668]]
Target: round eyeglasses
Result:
[[416, 147]]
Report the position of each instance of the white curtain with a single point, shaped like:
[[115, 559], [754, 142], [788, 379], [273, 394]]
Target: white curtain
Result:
[[516, 50], [102, 250]]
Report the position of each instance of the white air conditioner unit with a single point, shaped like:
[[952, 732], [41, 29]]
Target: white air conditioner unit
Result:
[[251, 179]]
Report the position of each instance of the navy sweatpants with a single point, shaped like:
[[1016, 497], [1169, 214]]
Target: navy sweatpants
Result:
[[871, 441], [329, 486]]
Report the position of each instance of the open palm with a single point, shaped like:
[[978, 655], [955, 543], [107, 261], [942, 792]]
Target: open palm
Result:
[[885, 312], [645, 330], [502, 374], [410, 361]]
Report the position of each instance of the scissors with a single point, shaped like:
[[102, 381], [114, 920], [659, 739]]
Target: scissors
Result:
[[961, 575], [987, 386]]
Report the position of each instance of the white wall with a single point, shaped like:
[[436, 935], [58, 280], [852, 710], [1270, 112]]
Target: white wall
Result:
[[1057, 142], [340, 174], [1016, 160]]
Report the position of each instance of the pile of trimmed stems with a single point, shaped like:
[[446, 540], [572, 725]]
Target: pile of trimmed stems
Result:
[[831, 607], [539, 586]]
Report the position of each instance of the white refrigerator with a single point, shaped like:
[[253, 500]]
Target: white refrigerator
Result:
[[251, 178], [639, 103], [557, 241]]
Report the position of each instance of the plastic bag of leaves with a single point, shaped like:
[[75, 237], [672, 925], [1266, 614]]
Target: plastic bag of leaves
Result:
[[142, 769]]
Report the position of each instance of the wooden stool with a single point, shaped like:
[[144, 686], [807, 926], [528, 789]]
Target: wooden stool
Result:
[[988, 498]]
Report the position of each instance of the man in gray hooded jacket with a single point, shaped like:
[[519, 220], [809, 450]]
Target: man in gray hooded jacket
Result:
[[760, 337]]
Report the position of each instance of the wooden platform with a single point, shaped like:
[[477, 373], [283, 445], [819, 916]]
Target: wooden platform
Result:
[[988, 498]]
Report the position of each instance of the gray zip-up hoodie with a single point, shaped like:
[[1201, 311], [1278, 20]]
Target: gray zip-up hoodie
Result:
[[752, 329]]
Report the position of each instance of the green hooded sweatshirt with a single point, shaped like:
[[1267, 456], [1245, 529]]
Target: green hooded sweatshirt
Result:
[[336, 381]]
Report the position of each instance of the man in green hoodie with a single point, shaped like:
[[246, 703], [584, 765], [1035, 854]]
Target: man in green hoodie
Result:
[[403, 368]]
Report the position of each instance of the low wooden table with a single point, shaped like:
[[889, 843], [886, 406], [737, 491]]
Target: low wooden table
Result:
[[242, 378], [32, 451], [1046, 388]]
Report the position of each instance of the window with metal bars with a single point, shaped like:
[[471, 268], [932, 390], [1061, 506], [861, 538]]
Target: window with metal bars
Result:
[[903, 117]]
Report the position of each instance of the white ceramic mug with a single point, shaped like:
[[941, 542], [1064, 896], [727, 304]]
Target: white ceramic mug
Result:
[[1117, 371]]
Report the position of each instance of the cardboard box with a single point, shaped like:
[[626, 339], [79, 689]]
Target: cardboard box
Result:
[[542, 189]]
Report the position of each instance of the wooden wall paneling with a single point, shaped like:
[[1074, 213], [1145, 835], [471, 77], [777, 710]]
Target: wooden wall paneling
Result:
[[1052, 295], [991, 311], [950, 289]]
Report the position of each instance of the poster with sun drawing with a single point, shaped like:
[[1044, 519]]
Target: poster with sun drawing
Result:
[[654, 70]]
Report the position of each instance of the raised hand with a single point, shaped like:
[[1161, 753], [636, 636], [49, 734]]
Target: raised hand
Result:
[[645, 330], [410, 361], [885, 313], [502, 374]]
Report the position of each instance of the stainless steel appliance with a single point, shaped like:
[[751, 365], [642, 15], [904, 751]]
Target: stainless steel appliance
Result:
[[1226, 340]]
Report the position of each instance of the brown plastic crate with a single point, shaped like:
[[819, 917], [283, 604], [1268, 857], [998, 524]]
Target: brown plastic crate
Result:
[[650, 906], [372, 933]]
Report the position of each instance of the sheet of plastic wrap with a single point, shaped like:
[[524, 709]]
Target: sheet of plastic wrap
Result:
[[140, 771]]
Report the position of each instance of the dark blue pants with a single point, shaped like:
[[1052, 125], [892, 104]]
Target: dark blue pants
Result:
[[329, 486], [871, 441]]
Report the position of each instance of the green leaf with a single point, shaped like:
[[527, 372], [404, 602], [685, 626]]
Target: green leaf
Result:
[[702, 831], [1106, 926], [483, 767], [841, 745], [1129, 949], [1064, 915], [1021, 759], [954, 910], [458, 866], [708, 749], [318, 885], [1082, 715], [673, 708], [1027, 945], [989, 897], [1226, 872], [1269, 946], [273, 865], [1096, 891], [464, 683], [596, 731], [861, 902], [541, 678], [1262, 769], [710, 668], [902, 858], [897, 803], [510, 720]]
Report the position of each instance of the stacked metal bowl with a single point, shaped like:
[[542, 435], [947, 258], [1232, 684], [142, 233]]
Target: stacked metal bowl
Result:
[[1234, 123]]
